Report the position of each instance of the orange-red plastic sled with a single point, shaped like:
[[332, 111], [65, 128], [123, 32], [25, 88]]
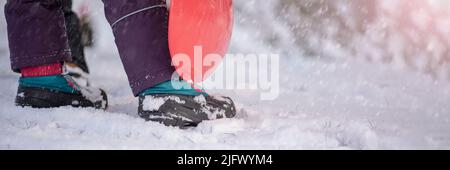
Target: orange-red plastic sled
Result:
[[205, 24]]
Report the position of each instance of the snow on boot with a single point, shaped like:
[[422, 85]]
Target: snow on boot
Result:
[[78, 75], [182, 107], [184, 111], [57, 91]]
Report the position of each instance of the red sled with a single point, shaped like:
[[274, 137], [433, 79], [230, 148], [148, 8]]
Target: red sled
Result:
[[198, 28]]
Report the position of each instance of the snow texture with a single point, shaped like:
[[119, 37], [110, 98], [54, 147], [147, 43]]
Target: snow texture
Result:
[[152, 103], [325, 103]]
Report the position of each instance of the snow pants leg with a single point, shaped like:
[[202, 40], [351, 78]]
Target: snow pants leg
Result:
[[36, 33], [141, 31]]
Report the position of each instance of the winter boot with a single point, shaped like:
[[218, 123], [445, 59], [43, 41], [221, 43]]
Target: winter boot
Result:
[[47, 87], [183, 108]]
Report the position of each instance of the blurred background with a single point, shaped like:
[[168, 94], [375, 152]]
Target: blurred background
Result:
[[413, 34]]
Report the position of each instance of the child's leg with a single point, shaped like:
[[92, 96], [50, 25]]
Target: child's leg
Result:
[[38, 46], [36, 32], [74, 34], [140, 29]]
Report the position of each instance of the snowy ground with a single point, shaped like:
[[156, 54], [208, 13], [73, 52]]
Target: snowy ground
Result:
[[324, 104]]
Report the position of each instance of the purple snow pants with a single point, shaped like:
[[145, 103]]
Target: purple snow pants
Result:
[[37, 36]]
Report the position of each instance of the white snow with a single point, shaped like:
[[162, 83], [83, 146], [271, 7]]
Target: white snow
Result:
[[200, 99], [152, 103], [325, 103]]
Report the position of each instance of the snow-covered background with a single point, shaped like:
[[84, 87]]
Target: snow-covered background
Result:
[[355, 74]]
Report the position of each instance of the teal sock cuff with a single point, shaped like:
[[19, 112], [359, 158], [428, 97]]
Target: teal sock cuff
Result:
[[173, 87], [58, 83]]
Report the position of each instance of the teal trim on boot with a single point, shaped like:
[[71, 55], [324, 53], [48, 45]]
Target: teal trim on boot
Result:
[[173, 87], [57, 83]]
